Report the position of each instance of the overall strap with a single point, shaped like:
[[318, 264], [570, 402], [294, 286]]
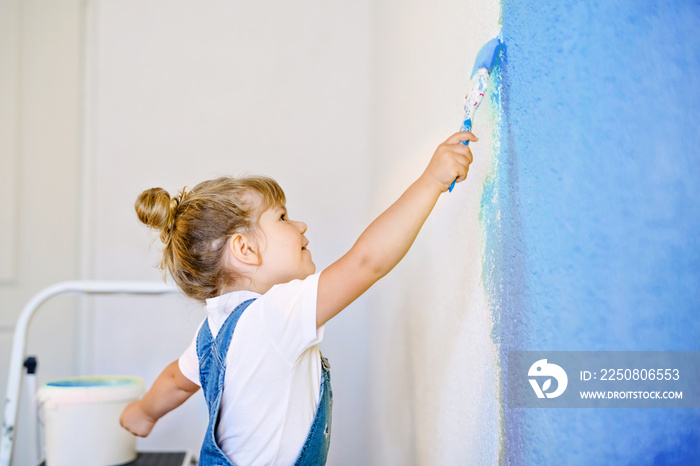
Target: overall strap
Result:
[[205, 340], [212, 370], [223, 338], [217, 349]]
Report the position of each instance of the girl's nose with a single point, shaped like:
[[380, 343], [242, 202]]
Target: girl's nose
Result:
[[301, 226]]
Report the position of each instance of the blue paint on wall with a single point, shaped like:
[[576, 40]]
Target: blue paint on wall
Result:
[[592, 211]]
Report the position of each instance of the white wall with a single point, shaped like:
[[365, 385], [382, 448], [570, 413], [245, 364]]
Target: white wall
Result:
[[434, 374], [40, 75]]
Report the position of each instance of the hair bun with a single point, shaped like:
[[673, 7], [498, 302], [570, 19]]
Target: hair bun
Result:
[[153, 208]]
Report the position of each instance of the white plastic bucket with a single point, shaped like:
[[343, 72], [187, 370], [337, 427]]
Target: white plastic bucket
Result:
[[81, 420]]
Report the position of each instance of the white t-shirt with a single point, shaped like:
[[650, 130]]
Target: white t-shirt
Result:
[[273, 372]]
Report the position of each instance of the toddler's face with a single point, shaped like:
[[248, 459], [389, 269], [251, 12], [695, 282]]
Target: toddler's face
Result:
[[283, 246]]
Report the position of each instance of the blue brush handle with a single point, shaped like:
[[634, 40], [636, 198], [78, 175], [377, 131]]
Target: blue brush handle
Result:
[[471, 103], [466, 126]]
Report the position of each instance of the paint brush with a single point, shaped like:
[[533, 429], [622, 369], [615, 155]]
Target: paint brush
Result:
[[484, 63]]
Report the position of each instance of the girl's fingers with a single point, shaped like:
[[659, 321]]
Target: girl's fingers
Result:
[[464, 160], [468, 154], [464, 155], [461, 137], [461, 167], [459, 148], [462, 175]]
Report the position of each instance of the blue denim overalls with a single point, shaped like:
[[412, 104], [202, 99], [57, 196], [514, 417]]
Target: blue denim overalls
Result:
[[212, 368]]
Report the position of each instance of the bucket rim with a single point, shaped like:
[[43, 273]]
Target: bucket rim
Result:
[[94, 382], [90, 389]]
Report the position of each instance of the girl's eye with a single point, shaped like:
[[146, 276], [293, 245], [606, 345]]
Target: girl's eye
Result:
[[283, 217]]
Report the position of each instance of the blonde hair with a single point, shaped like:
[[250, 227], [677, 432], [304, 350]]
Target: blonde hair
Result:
[[196, 224]]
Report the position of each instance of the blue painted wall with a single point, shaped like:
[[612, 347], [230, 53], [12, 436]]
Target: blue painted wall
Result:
[[592, 211]]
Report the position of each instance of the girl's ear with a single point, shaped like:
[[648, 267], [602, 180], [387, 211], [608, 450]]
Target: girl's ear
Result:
[[244, 249]]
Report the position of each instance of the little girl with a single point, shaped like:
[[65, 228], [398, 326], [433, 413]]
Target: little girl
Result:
[[229, 243]]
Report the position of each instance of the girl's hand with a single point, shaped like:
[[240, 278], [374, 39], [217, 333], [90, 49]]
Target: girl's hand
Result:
[[451, 160], [135, 420]]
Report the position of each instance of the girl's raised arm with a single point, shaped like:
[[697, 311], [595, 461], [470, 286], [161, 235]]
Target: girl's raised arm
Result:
[[387, 240]]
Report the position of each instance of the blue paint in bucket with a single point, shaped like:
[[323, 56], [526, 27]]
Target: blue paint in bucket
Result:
[[92, 382]]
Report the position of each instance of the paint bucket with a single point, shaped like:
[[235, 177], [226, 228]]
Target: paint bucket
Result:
[[81, 420]]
